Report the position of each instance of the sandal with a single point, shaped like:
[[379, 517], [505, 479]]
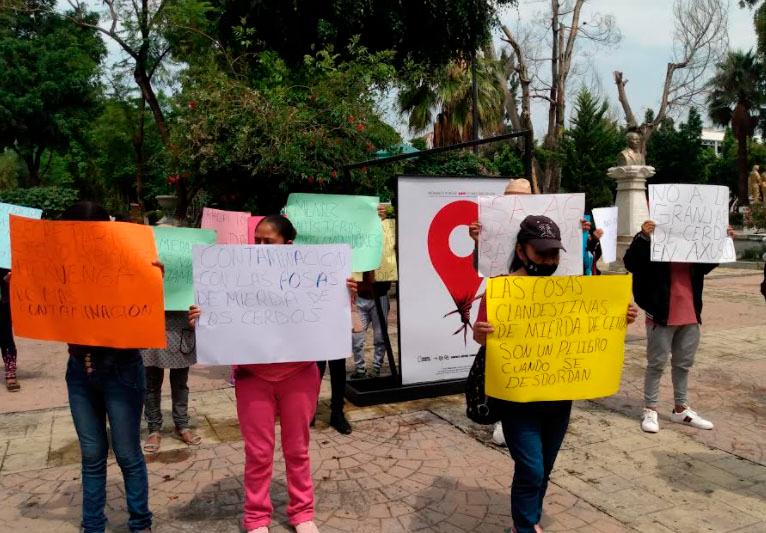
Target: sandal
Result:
[[12, 385], [152, 444], [188, 437]]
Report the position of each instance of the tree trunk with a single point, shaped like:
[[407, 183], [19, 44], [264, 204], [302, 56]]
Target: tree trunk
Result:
[[138, 148], [742, 172], [147, 92], [32, 160]]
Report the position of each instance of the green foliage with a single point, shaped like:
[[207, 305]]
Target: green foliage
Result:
[[677, 153], [430, 32], [248, 148], [52, 200], [457, 163], [49, 82], [589, 147], [508, 162]]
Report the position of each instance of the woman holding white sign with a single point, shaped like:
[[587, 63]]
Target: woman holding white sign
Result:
[[263, 391], [534, 431]]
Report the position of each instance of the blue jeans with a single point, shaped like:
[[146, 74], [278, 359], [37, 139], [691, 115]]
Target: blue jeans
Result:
[[115, 390], [533, 433], [368, 314]]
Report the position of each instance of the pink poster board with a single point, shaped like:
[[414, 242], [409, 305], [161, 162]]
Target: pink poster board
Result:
[[252, 222], [230, 226]]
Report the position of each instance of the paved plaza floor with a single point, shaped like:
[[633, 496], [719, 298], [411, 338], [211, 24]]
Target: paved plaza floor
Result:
[[421, 465]]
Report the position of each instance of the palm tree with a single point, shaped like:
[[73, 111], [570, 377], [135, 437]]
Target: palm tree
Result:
[[448, 94], [735, 99]]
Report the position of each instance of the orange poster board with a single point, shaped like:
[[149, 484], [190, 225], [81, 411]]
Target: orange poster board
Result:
[[89, 283]]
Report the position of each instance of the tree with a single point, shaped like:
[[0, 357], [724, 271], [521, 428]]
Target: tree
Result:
[[759, 21], [141, 29], [426, 32], [677, 153], [564, 27], [736, 96], [448, 90], [588, 150], [49, 83], [700, 40]]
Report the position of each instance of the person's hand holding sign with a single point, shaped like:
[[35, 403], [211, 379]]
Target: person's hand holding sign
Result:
[[474, 229], [647, 228]]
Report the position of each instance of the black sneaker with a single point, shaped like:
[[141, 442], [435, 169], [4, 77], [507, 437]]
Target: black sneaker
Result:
[[339, 422], [358, 374]]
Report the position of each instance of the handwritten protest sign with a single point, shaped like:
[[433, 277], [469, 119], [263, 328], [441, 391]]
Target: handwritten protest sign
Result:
[[230, 226], [606, 219], [268, 304], [6, 210], [501, 216], [174, 245], [691, 222], [556, 338], [88, 283], [335, 219], [388, 270], [252, 223]]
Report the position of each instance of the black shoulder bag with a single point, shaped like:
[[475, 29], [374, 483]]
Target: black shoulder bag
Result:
[[479, 407]]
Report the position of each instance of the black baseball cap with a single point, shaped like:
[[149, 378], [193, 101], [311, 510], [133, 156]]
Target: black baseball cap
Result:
[[541, 232]]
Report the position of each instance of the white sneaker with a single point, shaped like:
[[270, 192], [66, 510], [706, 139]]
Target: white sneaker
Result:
[[262, 529], [690, 418], [498, 437], [649, 422]]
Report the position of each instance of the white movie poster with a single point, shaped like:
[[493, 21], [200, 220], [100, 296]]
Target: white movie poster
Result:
[[438, 283]]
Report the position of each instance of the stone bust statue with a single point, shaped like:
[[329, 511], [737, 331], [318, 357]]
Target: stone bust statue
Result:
[[632, 154]]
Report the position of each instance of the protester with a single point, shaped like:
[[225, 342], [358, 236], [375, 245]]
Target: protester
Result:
[[671, 296], [533, 431], [368, 291], [7, 344], [108, 382], [178, 357], [591, 249], [264, 391]]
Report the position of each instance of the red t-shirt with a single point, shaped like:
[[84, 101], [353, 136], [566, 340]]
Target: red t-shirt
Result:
[[681, 311]]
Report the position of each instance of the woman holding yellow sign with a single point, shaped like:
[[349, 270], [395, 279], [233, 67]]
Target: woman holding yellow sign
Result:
[[533, 431]]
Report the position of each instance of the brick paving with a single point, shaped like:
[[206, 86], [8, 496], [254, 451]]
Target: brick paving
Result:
[[422, 466]]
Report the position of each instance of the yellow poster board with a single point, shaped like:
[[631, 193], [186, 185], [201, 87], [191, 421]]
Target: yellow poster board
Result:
[[387, 270], [556, 338]]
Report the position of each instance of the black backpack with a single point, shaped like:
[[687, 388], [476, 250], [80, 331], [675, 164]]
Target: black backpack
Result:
[[479, 407]]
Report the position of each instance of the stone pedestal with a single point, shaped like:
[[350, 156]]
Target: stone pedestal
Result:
[[631, 202], [168, 203]]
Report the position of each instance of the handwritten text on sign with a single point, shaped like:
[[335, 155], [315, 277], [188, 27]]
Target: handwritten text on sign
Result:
[[88, 283], [174, 246], [336, 219], [268, 304], [556, 338], [6, 210], [501, 216], [230, 226], [691, 222]]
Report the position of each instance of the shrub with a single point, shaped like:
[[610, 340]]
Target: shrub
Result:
[[52, 200]]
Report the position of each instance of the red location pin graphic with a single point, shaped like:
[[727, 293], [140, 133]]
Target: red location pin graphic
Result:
[[457, 273]]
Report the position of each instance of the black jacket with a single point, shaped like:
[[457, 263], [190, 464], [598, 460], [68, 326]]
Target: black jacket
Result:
[[651, 281]]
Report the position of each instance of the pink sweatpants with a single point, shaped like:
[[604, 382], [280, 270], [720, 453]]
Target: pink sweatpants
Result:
[[258, 403]]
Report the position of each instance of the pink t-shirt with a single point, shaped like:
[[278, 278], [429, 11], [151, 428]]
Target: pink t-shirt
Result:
[[681, 311], [274, 371]]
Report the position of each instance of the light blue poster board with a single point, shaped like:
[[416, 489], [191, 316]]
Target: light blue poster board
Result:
[[6, 210]]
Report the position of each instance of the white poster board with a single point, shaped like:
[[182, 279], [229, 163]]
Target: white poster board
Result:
[[605, 218], [436, 275], [271, 304], [501, 216], [6, 210], [691, 223]]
